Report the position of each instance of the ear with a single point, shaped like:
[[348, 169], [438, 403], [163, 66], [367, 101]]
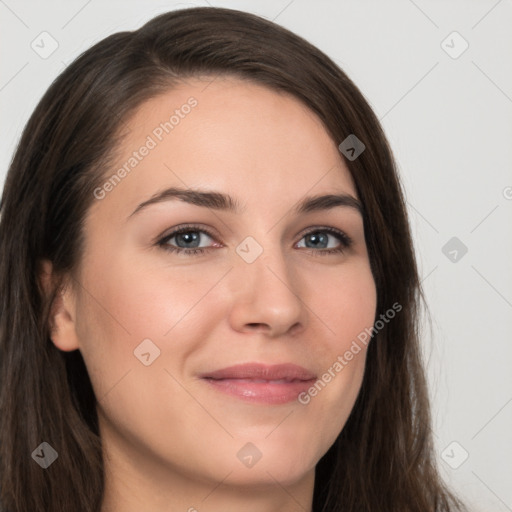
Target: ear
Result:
[[62, 315]]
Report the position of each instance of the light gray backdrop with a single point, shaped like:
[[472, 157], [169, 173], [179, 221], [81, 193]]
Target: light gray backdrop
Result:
[[439, 76]]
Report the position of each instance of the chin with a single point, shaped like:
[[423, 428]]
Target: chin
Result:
[[265, 461], [267, 474]]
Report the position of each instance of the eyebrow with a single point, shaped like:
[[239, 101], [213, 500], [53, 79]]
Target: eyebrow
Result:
[[224, 202]]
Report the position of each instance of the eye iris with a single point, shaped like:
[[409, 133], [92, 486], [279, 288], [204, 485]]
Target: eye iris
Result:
[[316, 238], [188, 237]]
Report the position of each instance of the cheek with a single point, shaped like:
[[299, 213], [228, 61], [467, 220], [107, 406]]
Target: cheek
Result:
[[137, 298], [349, 306], [129, 302], [347, 309]]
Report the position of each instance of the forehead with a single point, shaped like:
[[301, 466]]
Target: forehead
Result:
[[232, 135]]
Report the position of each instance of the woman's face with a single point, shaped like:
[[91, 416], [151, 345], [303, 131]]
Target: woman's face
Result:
[[151, 322]]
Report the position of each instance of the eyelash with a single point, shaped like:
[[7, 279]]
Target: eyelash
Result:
[[346, 241]]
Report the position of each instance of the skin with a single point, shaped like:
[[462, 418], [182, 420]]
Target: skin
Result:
[[171, 442]]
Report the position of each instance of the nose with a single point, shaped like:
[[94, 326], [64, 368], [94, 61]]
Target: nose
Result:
[[267, 296]]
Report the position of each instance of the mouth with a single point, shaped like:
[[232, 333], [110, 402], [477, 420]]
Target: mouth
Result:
[[259, 383]]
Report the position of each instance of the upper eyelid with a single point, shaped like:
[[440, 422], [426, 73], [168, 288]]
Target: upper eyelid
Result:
[[185, 229]]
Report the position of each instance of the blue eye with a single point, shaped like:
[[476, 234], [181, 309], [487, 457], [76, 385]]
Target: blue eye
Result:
[[318, 237], [187, 235], [187, 240]]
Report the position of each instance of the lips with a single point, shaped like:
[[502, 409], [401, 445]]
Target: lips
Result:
[[255, 382], [256, 371]]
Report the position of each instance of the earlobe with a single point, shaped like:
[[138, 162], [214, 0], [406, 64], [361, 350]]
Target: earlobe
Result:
[[61, 320]]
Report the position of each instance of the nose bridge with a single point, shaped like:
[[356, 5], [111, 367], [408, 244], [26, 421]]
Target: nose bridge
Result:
[[267, 289], [260, 260]]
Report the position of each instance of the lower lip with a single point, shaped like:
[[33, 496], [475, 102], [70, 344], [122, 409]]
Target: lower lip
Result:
[[261, 392]]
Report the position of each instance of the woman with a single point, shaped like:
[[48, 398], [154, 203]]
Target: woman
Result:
[[241, 372]]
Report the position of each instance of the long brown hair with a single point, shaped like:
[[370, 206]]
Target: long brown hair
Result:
[[383, 459]]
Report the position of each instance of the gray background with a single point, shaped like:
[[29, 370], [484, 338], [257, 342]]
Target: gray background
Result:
[[448, 118]]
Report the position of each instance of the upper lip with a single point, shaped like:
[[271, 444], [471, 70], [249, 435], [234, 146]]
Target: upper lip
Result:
[[261, 371]]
